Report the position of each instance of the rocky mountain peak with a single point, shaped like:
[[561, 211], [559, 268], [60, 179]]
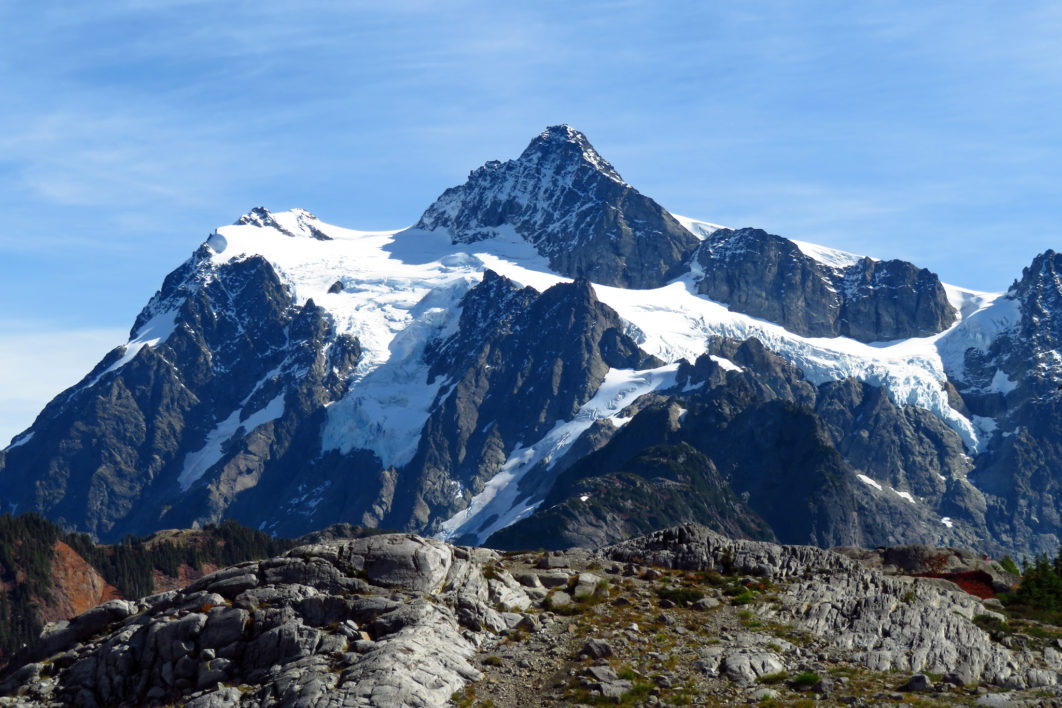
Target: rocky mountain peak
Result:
[[294, 223], [1040, 291], [257, 216], [561, 196], [564, 147]]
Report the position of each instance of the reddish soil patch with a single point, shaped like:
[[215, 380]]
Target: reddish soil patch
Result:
[[76, 586], [974, 582]]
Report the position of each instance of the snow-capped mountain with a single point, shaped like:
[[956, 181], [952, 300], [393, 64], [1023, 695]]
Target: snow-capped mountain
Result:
[[547, 358], [573, 207]]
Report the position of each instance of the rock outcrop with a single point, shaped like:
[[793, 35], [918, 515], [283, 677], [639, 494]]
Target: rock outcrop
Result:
[[886, 623], [375, 621]]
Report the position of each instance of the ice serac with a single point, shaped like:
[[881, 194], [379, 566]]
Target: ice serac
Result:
[[566, 200], [771, 277]]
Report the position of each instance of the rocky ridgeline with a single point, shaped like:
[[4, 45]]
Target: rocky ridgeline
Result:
[[768, 276], [887, 623], [680, 615]]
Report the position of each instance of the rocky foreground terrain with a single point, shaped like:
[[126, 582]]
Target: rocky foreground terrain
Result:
[[682, 616]]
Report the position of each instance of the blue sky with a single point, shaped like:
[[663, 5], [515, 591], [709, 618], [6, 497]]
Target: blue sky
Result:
[[130, 129]]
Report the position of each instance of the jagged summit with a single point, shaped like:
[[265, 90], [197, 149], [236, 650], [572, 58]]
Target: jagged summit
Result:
[[566, 144], [294, 223], [561, 196], [1040, 288]]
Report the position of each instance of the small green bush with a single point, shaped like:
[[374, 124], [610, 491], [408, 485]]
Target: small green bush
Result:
[[744, 598], [680, 596], [805, 679]]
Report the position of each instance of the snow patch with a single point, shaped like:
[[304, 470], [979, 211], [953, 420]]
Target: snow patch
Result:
[[726, 364], [947, 522], [867, 480], [306, 503], [831, 257], [197, 463], [904, 495], [700, 229], [987, 426], [1001, 383], [156, 330], [20, 440]]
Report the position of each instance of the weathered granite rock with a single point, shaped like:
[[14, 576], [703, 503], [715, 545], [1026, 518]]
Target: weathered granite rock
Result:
[[332, 632], [372, 621], [886, 623], [596, 649], [747, 665]]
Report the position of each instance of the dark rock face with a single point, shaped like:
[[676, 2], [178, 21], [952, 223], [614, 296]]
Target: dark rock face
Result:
[[1017, 381], [238, 350], [779, 456], [660, 486], [768, 276], [519, 362], [566, 200]]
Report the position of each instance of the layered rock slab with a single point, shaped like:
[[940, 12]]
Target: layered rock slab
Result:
[[375, 621]]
